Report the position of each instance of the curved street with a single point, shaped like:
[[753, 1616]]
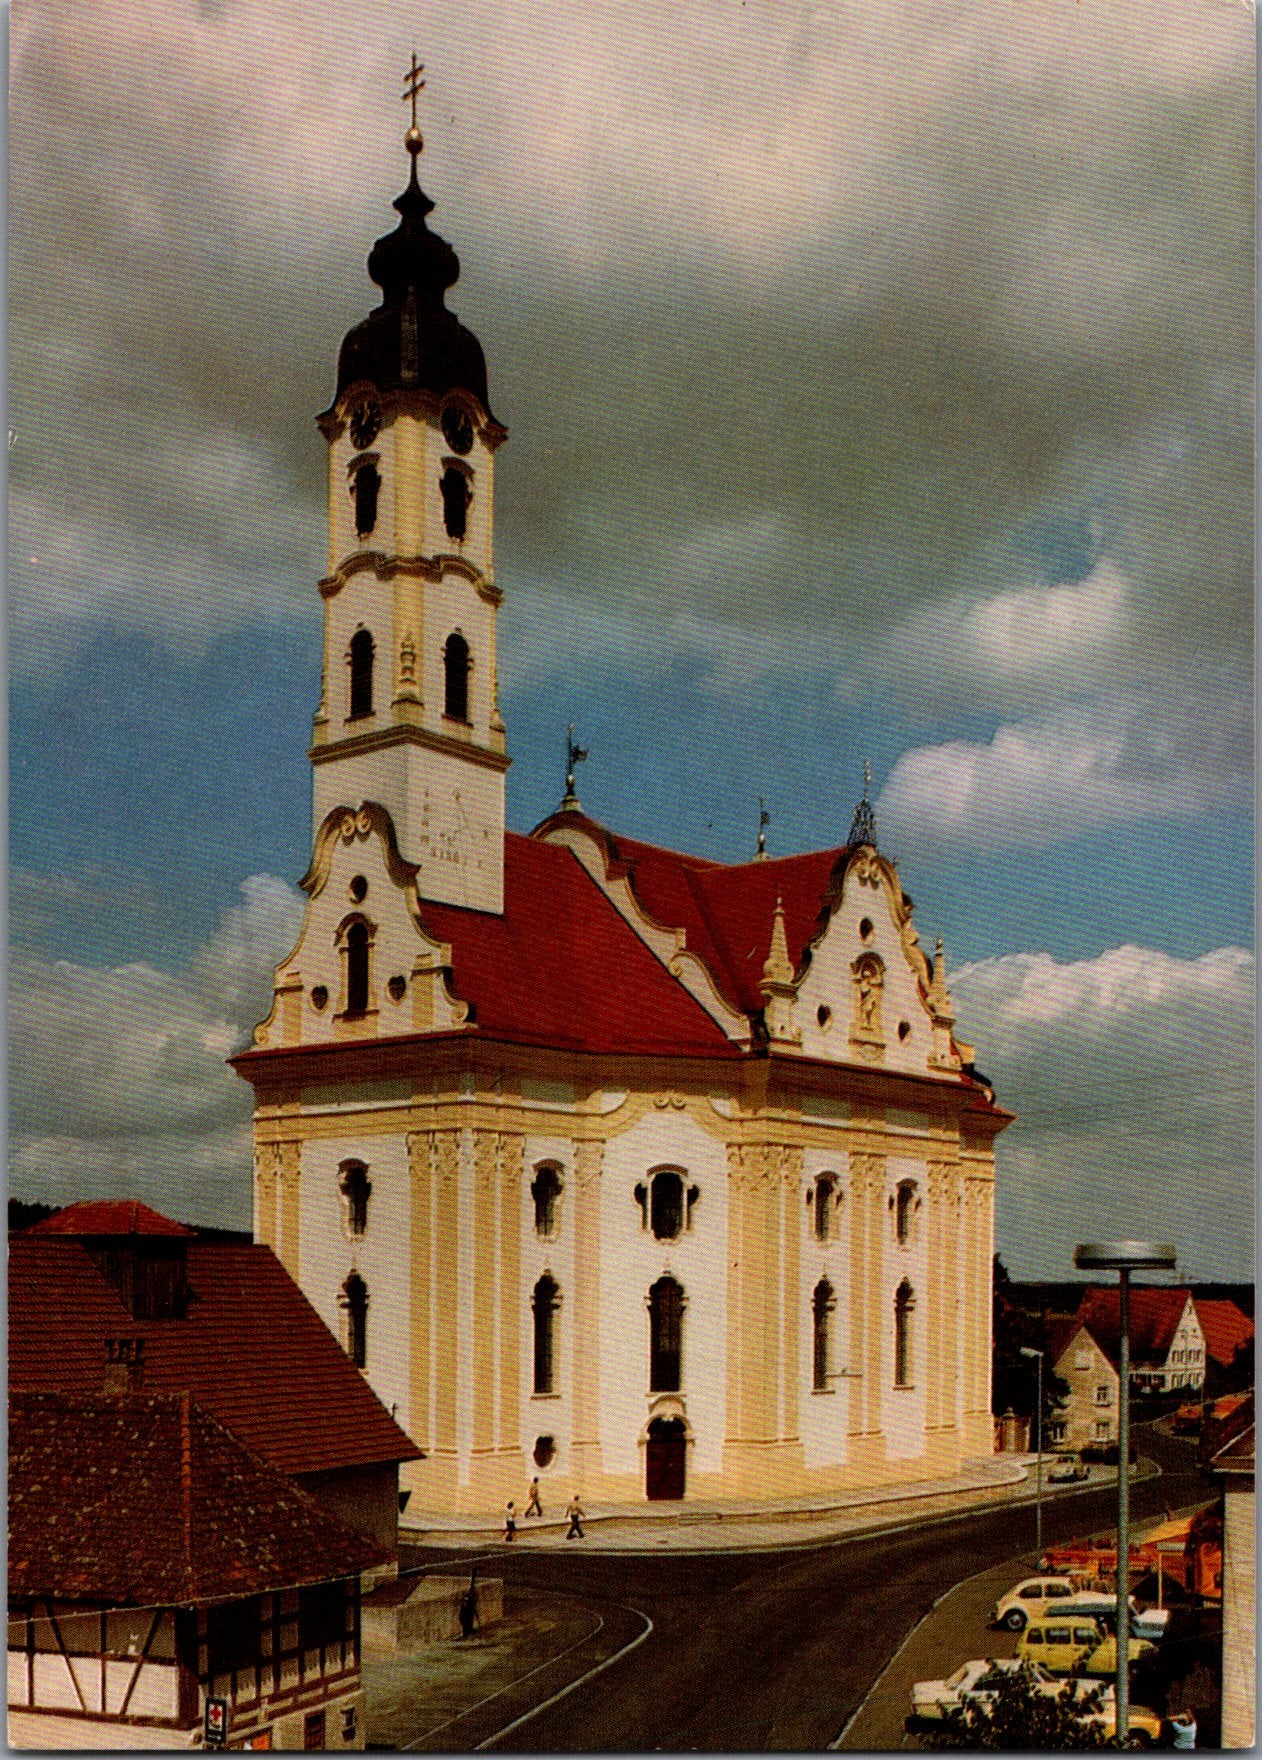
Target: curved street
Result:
[[743, 1650]]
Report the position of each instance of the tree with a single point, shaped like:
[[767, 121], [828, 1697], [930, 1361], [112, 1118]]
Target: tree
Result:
[[1014, 1378], [1021, 1715]]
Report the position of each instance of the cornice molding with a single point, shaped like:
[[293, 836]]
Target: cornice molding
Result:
[[408, 734], [426, 568]]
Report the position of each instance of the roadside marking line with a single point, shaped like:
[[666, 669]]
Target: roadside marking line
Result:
[[933, 1608], [470, 1709], [590, 1675]]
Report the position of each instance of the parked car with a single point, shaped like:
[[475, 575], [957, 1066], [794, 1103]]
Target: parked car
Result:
[[1030, 1596], [1068, 1471], [973, 1683], [1065, 1645], [1143, 1726], [1101, 1604]]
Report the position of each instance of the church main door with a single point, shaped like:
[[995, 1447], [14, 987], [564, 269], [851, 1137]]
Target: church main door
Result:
[[666, 1456]]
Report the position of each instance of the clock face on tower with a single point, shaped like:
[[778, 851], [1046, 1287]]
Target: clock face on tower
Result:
[[365, 422], [457, 428]]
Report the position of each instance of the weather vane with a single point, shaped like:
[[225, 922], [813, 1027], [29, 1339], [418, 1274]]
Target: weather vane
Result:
[[863, 825], [413, 86], [764, 819], [574, 754]]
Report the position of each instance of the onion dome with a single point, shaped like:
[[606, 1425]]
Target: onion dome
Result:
[[412, 340]]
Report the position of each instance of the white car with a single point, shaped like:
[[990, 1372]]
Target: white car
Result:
[[1031, 1595], [1146, 1622], [973, 1683]]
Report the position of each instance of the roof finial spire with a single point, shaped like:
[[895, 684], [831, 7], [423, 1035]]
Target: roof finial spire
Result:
[[764, 819], [413, 86], [574, 754], [863, 825]]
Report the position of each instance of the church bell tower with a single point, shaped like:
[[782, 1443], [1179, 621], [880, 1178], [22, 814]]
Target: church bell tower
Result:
[[408, 716]]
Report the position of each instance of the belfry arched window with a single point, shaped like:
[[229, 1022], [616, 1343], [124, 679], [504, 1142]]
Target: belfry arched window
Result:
[[904, 1308], [904, 1210], [367, 487], [456, 494], [357, 950], [823, 1303], [545, 1189], [825, 1198], [356, 1189], [456, 677], [544, 1302], [355, 1301], [361, 655], [666, 1335]]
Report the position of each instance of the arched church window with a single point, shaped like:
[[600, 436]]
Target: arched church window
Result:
[[357, 949], [456, 494], [666, 1335], [666, 1205], [367, 485], [826, 1196], [356, 1189], [355, 1302], [456, 677], [545, 1301], [904, 1307], [822, 1304], [904, 1209], [545, 1189], [361, 672]]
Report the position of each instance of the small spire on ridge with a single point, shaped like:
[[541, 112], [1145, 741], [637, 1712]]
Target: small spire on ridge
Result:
[[863, 824]]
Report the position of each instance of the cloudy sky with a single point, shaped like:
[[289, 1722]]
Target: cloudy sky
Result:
[[880, 384]]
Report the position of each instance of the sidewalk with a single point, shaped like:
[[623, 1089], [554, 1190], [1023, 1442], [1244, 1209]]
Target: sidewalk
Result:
[[709, 1526]]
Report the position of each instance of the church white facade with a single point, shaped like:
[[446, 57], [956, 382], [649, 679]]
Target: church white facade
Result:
[[656, 1176]]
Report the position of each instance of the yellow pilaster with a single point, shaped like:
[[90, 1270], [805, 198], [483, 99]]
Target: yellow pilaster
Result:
[[585, 1446], [484, 1292], [446, 1152], [511, 1161], [791, 1322], [421, 1284], [289, 1166], [266, 1166]]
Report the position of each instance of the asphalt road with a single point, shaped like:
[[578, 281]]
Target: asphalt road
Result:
[[763, 1650]]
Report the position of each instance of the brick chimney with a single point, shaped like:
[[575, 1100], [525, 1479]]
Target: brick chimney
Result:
[[124, 1365]]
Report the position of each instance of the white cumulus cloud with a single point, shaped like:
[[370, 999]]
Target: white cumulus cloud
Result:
[[118, 1079], [1132, 1078]]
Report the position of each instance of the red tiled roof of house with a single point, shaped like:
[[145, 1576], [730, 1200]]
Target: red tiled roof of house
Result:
[[106, 1216], [1225, 1329], [1154, 1319], [726, 909], [251, 1350], [144, 1500], [562, 968]]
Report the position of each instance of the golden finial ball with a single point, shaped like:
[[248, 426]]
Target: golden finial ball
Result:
[[412, 140]]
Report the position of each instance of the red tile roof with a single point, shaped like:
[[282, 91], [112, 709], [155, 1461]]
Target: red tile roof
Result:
[[726, 909], [251, 1350], [561, 968], [1154, 1319], [109, 1216], [146, 1501], [1225, 1329]]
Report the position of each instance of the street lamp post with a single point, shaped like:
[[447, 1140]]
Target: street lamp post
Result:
[[1029, 1351], [1124, 1257]]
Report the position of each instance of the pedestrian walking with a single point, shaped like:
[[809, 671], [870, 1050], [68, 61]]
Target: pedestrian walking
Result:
[[510, 1520], [533, 1506], [574, 1510]]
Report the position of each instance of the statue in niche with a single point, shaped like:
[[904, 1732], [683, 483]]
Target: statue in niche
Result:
[[869, 982]]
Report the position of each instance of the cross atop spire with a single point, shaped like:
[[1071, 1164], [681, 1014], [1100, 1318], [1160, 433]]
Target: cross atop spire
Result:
[[863, 825], [413, 86]]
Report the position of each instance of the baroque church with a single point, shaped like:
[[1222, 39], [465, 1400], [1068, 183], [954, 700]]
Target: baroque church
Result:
[[656, 1176]]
